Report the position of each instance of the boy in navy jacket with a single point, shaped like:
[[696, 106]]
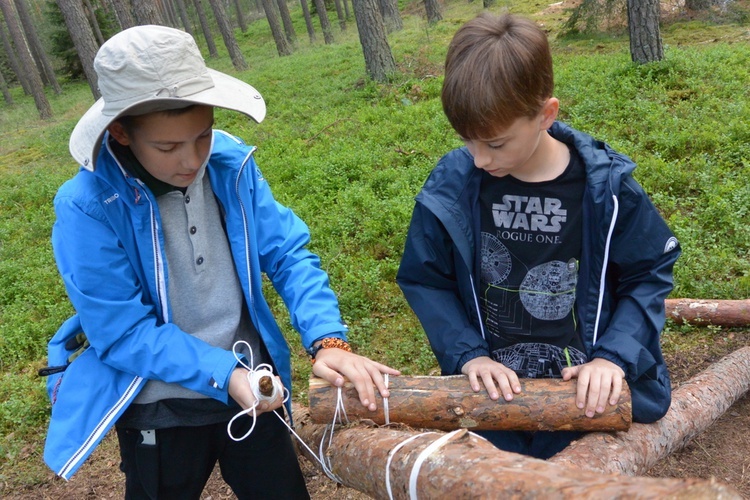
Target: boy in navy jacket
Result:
[[532, 251]]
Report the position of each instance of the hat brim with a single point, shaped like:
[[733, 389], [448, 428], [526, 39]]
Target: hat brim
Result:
[[228, 93]]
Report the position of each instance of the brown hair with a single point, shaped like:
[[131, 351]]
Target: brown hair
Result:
[[498, 69]]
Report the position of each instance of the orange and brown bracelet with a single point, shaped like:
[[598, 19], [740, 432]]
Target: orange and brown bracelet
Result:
[[328, 343]]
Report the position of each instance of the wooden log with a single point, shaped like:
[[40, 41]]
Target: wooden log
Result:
[[696, 404], [467, 466], [449, 403], [728, 313]]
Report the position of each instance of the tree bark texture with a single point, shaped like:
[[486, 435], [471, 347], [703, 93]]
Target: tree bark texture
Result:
[[184, 18], [340, 14], [205, 27], [728, 313], [282, 44], [286, 21], [145, 12], [27, 64], [6, 93], [391, 15], [696, 404], [432, 8], [240, 16], [43, 62], [449, 403], [235, 54], [123, 14], [643, 25], [467, 466], [325, 24], [83, 40], [308, 20], [379, 61], [15, 66]]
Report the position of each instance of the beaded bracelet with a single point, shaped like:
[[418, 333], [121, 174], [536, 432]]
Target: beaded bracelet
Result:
[[328, 343]]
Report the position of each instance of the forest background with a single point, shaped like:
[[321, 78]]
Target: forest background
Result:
[[348, 154]]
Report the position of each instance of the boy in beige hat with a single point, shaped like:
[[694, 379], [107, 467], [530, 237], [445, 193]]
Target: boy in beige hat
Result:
[[161, 239]]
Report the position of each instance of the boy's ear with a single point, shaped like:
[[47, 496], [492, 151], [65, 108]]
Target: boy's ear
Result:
[[117, 131], [549, 112]]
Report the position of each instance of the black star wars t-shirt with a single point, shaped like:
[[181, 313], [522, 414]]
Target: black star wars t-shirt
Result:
[[530, 248]]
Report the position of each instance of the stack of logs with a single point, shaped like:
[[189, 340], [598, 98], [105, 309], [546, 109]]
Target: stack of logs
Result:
[[396, 461]]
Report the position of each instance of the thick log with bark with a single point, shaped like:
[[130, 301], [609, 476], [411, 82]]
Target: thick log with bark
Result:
[[463, 465], [449, 403], [709, 312], [696, 404]]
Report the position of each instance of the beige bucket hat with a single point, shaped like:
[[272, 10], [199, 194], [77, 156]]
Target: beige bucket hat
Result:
[[150, 68]]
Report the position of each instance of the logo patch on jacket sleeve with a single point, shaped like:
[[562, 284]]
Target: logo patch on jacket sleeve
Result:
[[671, 244]]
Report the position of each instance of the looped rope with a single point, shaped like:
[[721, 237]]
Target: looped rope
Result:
[[253, 378]]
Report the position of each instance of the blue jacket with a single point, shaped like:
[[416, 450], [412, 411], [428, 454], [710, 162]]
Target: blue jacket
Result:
[[626, 269], [109, 249]]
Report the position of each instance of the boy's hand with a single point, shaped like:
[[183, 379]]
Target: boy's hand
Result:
[[598, 381], [240, 391], [335, 364], [489, 371]]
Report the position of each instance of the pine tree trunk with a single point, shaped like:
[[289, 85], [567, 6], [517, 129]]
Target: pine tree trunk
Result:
[[467, 466], [89, 9], [83, 39], [730, 313], [240, 16], [643, 25], [340, 14], [212, 52], [123, 14], [432, 8], [391, 16], [6, 93], [286, 20], [308, 20], [184, 18], [325, 24], [449, 403], [27, 64], [145, 12], [15, 66], [282, 45], [379, 61], [238, 60], [696, 404], [36, 45]]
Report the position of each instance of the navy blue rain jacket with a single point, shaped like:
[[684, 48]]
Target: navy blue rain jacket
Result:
[[627, 257]]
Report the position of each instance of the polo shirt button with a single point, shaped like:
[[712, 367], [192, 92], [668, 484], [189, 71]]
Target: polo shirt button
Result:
[[199, 261], [187, 199], [193, 230]]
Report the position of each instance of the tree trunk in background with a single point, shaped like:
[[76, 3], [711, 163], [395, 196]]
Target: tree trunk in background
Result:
[[432, 7], [184, 18], [240, 16], [238, 60], [27, 64], [391, 15], [14, 64], [325, 24], [40, 57], [379, 60], [286, 20], [645, 37], [145, 12], [123, 13], [346, 9], [340, 14], [308, 20], [83, 40], [282, 44], [383, 461], [731, 313], [91, 14], [449, 403], [205, 27], [696, 404], [6, 93], [168, 13]]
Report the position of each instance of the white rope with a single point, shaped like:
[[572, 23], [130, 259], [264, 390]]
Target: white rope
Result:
[[264, 370], [422, 457], [390, 458], [385, 403]]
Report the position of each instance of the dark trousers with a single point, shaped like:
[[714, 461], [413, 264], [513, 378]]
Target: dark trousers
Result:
[[539, 444], [179, 462]]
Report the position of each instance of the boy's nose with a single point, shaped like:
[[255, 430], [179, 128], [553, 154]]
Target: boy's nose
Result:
[[481, 158]]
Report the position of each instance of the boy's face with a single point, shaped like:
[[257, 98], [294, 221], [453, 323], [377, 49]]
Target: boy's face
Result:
[[518, 150], [171, 147]]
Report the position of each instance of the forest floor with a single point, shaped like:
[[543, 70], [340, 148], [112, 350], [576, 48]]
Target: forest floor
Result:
[[721, 452]]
